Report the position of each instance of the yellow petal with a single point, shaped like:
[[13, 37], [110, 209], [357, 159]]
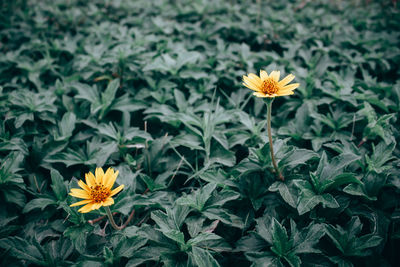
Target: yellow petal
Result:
[[83, 186], [290, 87], [90, 179], [96, 206], [255, 78], [275, 74], [286, 80], [253, 84], [107, 176], [252, 88], [83, 202], [286, 93], [109, 201], [116, 190], [79, 193], [272, 96], [259, 94], [263, 75], [111, 179], [86, 208], [99, 175]]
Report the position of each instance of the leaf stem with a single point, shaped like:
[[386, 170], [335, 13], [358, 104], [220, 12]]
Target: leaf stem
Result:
[[112, 222], [271, 147]]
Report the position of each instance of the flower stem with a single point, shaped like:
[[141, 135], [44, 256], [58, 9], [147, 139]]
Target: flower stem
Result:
[[112, 222], [271, 147]]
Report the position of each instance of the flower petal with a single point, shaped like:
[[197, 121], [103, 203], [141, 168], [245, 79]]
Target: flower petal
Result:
[[107, 176], [251, 87], [82, 202], [116, 190], [263, 75], [285, 93], [96, 206], [275, 74], [83, 186], [108, 202], [90, 179], [286, 80], [86, 208], [259, 94], [99, 173], [251, 83], [255, 78], [79, 193], [290, 87], [111, 179]]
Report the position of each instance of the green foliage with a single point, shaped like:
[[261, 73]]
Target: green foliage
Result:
[[153, 89]]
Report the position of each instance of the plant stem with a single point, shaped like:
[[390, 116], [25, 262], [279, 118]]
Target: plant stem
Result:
[[112, 222], [271, 147]]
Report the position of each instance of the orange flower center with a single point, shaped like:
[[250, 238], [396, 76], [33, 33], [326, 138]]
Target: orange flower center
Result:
[[269, 86], [99, 193]]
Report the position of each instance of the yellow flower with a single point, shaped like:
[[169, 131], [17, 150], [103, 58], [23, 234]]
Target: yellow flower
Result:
[[97, 190], [269, 85]]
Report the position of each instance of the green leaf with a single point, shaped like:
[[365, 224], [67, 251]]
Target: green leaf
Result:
[[202, 237], [287, 192], [358, 190], [145, 254], [309, 199], [306, 240], [127, 247], [175, 235], [197, 199], [264, 259], [341, 179], [65, 127], [38, 203], [224, 216], [108, 96], [10, 167], [203, 258], [58, 186], [78, 235], [23, 250], [218, 177], [347, 239], [381, 155], [327, 171], [296, 157], [280, 239]]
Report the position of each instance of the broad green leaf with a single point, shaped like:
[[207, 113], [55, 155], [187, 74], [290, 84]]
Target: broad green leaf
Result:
[[202, 237], [287, 192], [78, 235], [38, 203], [58, 185], [203, 258], [65, 127], [23, 250]]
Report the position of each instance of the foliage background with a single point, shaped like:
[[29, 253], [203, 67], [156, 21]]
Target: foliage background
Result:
[[153, 88]]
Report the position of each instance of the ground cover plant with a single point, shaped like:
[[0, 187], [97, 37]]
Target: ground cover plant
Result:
[[138, 113]]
